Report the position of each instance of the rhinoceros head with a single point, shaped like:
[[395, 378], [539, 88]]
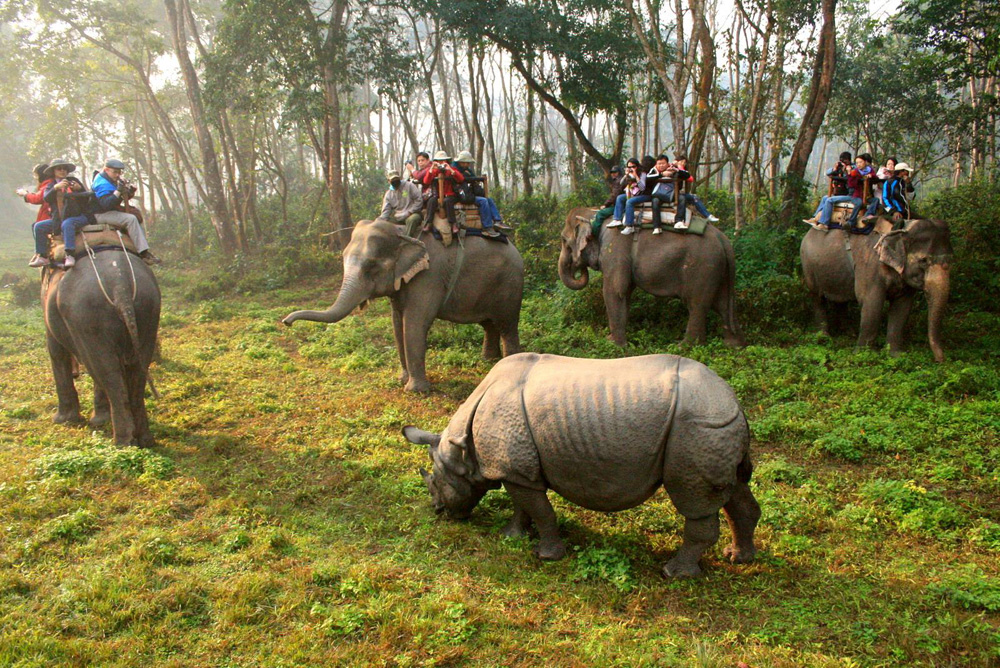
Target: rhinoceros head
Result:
[[453, 482]]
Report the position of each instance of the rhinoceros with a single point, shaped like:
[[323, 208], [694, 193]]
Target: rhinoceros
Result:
[[604, 434]]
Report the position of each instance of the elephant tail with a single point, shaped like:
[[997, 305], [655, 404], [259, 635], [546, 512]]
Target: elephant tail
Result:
[[126, 311]]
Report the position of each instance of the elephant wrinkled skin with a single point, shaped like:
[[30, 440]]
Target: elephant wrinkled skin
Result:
[[605, 435], [381, 261], [115, 341], [880, 269], [700, 270]]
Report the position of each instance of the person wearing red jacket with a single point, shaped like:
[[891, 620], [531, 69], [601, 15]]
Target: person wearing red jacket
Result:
[[44, 210], [441, 167]]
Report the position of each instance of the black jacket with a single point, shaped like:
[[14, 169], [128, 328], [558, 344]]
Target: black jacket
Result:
[[74, 203], [617, 188]]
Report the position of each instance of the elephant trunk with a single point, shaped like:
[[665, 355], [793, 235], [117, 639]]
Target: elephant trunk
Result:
[[353, 291], [936, 287], [567, 272]]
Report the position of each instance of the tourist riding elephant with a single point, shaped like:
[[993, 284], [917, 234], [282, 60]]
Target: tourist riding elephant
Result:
[[878, 268], [419, 277], [698, 269], [105, 311]]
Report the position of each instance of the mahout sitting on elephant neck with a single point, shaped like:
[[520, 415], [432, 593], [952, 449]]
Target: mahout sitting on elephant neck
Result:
[[605, 435]]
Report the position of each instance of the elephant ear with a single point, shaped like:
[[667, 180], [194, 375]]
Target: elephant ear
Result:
[[580, 242], [892, 250], [411, 259]]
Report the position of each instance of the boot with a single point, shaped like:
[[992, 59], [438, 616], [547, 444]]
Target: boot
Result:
[[150, 259], [39, 261]]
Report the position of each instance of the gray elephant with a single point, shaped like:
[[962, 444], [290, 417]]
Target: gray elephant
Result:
[[105, 311], [604, 434], [885, 266], [700, 270], [478, 281]]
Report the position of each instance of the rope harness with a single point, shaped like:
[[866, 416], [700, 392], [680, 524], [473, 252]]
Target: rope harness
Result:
[[93, 260]]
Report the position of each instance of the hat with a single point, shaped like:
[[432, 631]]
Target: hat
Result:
[[39, 169], [115, 164], [465, 156], [441, 155], [617, 169], [58, 162], [392, 174], [902, 167]]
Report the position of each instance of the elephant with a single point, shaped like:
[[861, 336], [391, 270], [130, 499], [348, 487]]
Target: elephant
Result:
[[419, 278], [701, 270], [605, 435], [105, 312], [885, 266]]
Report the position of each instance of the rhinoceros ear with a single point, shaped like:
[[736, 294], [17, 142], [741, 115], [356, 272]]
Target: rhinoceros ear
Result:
[[420, 437]]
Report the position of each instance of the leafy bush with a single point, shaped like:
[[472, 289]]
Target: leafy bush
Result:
[[970, 589], [71, 527], [914, 508], [607, 564], [100, 456]]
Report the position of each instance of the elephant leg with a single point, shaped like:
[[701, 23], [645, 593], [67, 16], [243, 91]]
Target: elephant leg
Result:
[[102, 408], [697, 319], [819, 314], [899, 313], [535, 504], [62, 370], [699, 535], [616, 303], [136, 386], [871, 318], [510, 337], [397, 332], [731, 332], [491, 341], [742, 513], [518, 525], [415, 328], [109, 374]]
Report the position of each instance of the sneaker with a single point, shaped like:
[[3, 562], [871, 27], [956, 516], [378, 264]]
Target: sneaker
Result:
[[454, 229], [681, 225], [628, 229], [69, 261], [867, 220], [490, 232], [657, 230], [615, 223], [821, 226], [150, 259], [713, 219], [811, 221], [39, 261], [500, 225]]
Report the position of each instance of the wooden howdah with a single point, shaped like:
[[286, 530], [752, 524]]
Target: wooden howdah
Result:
[[89, 235]]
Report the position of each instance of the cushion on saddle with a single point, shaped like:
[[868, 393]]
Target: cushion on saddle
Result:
[[89, 235]]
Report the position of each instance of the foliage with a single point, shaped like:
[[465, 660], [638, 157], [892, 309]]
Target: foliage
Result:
[[607, 564]]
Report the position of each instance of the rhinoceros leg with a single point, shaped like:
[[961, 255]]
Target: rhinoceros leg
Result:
[[535, 504], [699, 535], [518, 525], [742, 511]]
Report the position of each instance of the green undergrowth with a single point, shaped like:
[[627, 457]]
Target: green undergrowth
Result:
[[281, 520]]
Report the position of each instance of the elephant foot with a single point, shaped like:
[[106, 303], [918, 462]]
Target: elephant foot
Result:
[[98, 420], [738, 555], [681, 568], [404, 377], [146, 441], [621, 342], [414, 385], [551, 550], [68, 417]]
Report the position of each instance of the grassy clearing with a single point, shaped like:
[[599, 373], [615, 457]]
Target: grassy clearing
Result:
[[281, 521]]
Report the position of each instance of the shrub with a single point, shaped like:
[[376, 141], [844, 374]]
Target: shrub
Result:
[[607, 564]]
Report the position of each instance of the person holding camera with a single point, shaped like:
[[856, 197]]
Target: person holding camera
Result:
[[110, 191], [838, 188], [441, 169], [473, 192], [72, 208], [402, 203], [42, 182], [635, 194]]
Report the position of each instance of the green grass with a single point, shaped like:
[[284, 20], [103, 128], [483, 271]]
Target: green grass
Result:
[[281, 519]]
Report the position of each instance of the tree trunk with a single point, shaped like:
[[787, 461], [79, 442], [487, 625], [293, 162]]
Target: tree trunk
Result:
[[812, 120], [528, 137]]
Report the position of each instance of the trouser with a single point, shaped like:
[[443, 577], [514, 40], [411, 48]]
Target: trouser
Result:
[[599, 218], [69, 227], [449, 209], [411, 224], [630, 205], [659, 199], [873, 207], [120, 220], [41, 230], [687, 199], [827, 208], [488, 212]]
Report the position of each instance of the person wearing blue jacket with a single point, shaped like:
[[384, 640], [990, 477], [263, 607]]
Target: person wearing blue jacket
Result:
[[894, 193], [107, 211]]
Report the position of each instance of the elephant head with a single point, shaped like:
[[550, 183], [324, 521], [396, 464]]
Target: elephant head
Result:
[[379, 259], [454, 483], [574, 255], [921, 255]]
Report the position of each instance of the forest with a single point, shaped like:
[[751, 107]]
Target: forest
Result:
[[280, 518]]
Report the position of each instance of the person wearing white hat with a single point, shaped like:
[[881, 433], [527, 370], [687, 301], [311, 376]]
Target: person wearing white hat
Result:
[[72, 207], [111, 191], [441, 168], [894, 193], [489, 215], [402, 203]]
